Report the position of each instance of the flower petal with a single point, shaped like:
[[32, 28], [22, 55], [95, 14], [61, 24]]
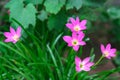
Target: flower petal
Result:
[[81, 35], [89, 64], [108, 47], [69, 25], [67, 39], [77, 20], [77, 61], [12, 31], [76, 48], [113, 50], [73, 21], [14, 41], [83, 22], [86, 68], [7, 34], [108, 57], [112, 54], [74, 35], [78, 69], [82, 43], [102, 48], [83, 27], [18, 31], [8, 40], [86, 60], [69, 44]]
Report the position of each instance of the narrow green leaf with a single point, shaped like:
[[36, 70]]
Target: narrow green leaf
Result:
[[12, 49], [56, 40], [54, 61], [92, 55]]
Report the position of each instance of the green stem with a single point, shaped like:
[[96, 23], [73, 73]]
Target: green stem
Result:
[[99, 60], [70, 71], [75, 74], [55, 62]]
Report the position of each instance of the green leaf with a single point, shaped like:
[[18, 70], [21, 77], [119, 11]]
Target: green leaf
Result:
[[14, 3], [114, 13], [54, 61], [93, 3], [43, 15], [57, 21], [54, 6], [34, 1], [25, 15], [74, 3]]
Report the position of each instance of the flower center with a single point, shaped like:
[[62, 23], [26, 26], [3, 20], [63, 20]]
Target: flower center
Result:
[[77, 28], [16, 37], [81, 65], [75, 42], [106, 53]]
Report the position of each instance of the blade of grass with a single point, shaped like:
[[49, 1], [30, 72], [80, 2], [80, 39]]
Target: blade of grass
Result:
[[14, 68], [12, 49], [56, 40], [61, 64], [54, 61]]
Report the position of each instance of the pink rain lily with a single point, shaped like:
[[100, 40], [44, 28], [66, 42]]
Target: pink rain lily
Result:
[[76, 25], [13, 36], [75, 41], [83, 65], [108, 52]]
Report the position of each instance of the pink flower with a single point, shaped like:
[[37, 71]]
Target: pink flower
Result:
[[83, 65], [75, 41], [108, 52], [13, 36], [76, 25]]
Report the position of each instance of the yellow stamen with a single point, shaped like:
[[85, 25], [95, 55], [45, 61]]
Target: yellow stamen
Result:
[[74, 42], [106, 53], [81, 65], [77, 28], [16, 37]]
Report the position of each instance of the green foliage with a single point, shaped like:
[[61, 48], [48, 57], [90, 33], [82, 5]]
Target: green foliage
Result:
[[54, 6], [25, 15], [34, 1], [57, 22], [42, 54], [43, 15], [74, 3], [94, 3], [114, 12]]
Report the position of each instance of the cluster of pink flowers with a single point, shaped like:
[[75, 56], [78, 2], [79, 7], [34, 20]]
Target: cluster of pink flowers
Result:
[[76, 40], [76, 28]]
